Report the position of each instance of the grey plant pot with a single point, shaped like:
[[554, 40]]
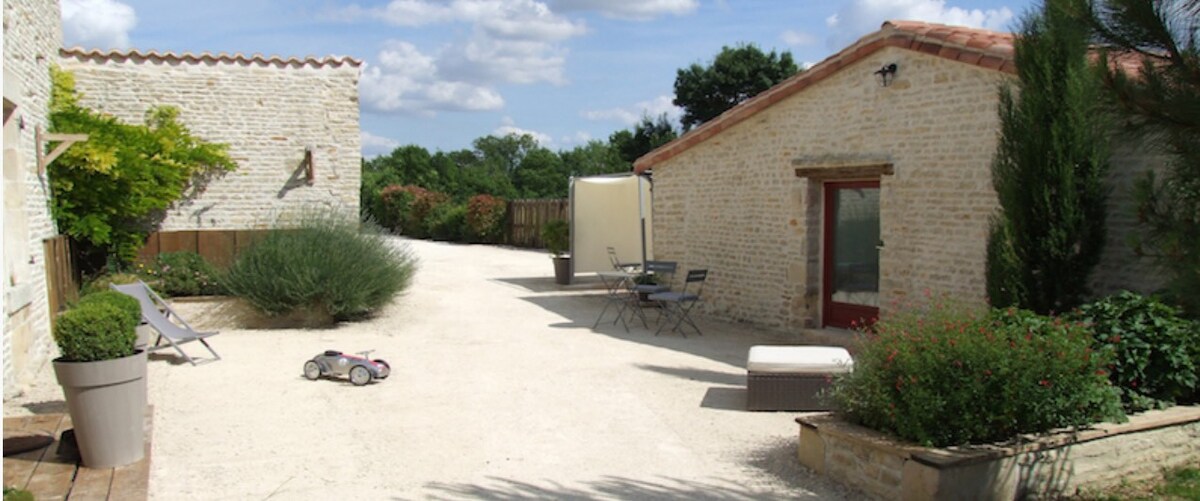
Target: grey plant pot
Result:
[[107, 403], [562, 270]]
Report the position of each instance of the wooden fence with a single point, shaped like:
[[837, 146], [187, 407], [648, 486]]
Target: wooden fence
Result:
[[523, 227], [216, 246], [62, 279]]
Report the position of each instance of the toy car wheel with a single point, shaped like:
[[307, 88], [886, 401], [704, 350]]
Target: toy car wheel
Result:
[[359, 375], [384, 363], [312, 370]]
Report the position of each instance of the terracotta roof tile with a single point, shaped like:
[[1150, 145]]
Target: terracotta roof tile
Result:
[[989, 49], [207, 57]]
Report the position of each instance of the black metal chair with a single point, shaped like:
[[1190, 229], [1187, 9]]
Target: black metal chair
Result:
[[660, 274], [677, 306]]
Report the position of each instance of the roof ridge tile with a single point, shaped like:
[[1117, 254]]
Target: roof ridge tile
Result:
[[208, 57]]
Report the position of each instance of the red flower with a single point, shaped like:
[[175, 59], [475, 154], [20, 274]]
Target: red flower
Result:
[[1114, 338], [1044, 382], [987, 372]]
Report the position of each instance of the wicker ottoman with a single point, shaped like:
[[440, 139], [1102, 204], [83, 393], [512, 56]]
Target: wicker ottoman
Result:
[[788, 378]]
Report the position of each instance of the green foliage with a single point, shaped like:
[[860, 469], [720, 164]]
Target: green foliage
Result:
[[556, 234], [110, 191], [594, 158], [328, 261], [15, 494], [1157, 352], [408, 209], [94, 331], [100, 283], [645, 137], [1049, 169], [735, 75], [183, 274], [448, 222], [1160, 104], [541, 174], [127, 304], [485, 217], [949, 375]]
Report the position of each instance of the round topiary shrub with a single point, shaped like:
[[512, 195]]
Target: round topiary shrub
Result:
[[98, 330], [126, 304], [949, 375]]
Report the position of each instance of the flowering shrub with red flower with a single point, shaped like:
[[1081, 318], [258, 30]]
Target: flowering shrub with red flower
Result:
[[949, 374], [485, 217], [407, 209]]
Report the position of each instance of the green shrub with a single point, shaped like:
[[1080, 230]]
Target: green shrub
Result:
[[1157, 351], [333, 263], [409, 208], [485, 217], [949, 375], [556, 234], [97, 330], [448, 222], [392, 206], [100, 283], [183, 274], [125, 303], [15, 494]]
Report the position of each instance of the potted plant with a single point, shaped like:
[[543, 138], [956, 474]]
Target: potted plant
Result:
[[556, 234], [104, 381]]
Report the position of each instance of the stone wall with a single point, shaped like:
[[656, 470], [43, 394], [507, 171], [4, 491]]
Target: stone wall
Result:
[[268, 110], [32, 37], [1046, 467], [735, 205]]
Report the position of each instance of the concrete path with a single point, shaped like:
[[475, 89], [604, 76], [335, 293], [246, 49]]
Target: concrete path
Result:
[[500, 390]]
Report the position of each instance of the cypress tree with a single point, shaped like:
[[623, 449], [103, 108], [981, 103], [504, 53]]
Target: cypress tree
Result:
[[1049, 168]]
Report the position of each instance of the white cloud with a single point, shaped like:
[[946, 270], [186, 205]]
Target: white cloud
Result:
[[508, 127], [860, 17], [408, 81], [373, 146], [511, 41], [797, 39], [633, 114], [629, 9], [101, 24]]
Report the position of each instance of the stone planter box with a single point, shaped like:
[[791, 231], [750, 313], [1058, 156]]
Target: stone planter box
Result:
[[1041, 467]]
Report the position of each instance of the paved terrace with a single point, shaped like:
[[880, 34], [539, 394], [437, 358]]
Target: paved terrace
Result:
[[500, 390]]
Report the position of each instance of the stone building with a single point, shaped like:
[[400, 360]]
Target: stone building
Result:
[[853, 187], [292, 126]]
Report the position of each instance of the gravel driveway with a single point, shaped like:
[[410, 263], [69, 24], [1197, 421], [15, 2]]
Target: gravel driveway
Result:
[[500, 389]]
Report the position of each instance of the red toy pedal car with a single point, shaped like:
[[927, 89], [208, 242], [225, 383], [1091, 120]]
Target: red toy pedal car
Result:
[[361, 369]]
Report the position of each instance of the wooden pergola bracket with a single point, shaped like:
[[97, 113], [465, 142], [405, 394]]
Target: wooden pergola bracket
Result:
[[64, 141]]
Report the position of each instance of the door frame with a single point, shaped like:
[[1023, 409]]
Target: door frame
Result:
[[834, 314]]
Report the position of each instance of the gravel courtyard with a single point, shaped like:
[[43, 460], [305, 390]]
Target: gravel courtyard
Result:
[[500, 390]]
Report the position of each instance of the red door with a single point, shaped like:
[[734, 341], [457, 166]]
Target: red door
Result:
[[850, 254]]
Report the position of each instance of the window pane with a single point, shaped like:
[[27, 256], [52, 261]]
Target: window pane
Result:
[[855, 239]]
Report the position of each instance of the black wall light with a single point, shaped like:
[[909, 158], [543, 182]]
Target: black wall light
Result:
[[886, 74]]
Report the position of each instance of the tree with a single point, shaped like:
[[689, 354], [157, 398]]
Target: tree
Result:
[[735, 75], [110, 191], [541, 174], [595, 157], [645, 136], [1049, 169], [1161, 105]]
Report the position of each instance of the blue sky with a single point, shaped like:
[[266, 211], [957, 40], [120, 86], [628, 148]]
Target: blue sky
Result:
[[442, 73]]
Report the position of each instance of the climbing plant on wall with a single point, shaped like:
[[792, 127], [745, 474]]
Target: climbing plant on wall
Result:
[[109, 192]]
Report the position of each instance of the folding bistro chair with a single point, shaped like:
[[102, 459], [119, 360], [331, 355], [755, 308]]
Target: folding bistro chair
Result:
[[677, 306], [620, 266], [662, 271], [160, 316]]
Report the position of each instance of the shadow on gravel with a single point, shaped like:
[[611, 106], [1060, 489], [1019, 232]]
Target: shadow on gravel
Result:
[[608, 488]]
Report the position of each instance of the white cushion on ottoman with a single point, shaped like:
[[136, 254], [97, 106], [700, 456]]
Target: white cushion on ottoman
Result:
[[799, 359]]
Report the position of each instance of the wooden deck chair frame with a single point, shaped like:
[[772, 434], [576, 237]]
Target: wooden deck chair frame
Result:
[[169, 325]]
